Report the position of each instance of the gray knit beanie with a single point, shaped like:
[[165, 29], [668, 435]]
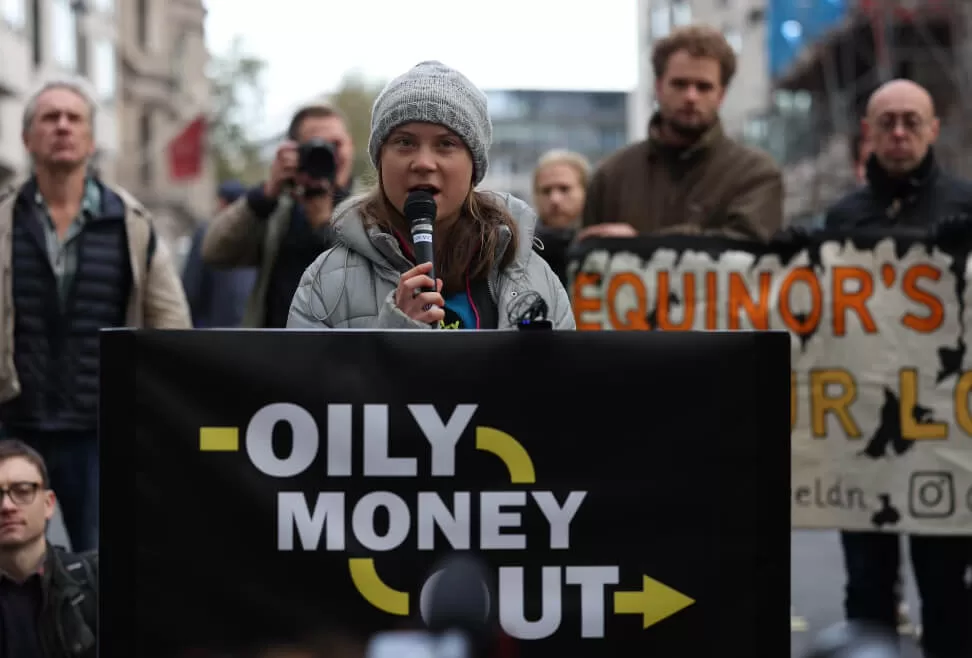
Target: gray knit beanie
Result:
[[431, 92]]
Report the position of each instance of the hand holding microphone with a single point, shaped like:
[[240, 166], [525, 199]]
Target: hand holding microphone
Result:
[[419, 293], [413, 301]]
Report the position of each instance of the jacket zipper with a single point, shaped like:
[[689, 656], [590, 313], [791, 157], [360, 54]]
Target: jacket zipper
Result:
[[492, 281]]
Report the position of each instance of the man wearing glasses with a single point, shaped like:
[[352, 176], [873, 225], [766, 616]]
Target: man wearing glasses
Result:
[[904, 184], [48, 597], [906, 187]]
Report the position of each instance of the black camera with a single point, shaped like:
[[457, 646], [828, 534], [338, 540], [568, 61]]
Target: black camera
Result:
[[316, 160]]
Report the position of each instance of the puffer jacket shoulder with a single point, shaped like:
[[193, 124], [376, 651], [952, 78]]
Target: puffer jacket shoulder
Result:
[[352, 284]]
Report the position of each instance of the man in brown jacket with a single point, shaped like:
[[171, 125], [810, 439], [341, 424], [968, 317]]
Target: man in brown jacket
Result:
[[76, 256], [688, 176]]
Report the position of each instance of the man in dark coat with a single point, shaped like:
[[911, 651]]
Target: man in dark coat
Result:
[[905, 186], [217, 297]]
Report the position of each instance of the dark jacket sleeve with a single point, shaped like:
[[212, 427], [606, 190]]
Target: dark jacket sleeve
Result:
[[236, 236], [594, 199], [232, 290], [847, 212], [758, 208], [197, 279]]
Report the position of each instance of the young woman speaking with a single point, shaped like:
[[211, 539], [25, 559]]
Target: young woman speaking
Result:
[[430, 133]]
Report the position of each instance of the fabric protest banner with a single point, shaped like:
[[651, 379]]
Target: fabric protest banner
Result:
[[280, 484], [879, 327]]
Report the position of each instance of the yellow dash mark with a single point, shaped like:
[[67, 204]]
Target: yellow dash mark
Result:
[[219, 439]]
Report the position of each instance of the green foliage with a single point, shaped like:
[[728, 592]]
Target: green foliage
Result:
[[237, 96]]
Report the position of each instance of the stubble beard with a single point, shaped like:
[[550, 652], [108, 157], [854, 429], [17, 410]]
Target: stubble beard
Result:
[[689, 131]]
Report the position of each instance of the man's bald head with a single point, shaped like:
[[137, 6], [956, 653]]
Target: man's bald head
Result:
[[901, 91], [901, 125]]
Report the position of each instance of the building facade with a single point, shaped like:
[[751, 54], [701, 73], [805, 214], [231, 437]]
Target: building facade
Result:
[[528, 123], [742, 22], [144, 62], [830, 56], [41, 40], [163, 88]]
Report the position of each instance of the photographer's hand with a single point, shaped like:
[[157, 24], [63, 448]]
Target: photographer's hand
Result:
[[283, 169], [318, 209], [319, 206]]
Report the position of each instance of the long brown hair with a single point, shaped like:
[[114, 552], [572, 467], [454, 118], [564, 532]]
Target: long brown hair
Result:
[[467, 246]]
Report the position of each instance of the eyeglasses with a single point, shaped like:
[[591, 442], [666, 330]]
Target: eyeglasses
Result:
[[910, 121], [21, 493]]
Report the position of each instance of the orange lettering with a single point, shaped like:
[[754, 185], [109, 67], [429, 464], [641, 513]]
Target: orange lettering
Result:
[[852, 301], [583, 304], [634, 318], [740, 298], [822, 404], [688, 303], [936, 310], [963, 414], [802, 325], [913, 429], [711, 300]]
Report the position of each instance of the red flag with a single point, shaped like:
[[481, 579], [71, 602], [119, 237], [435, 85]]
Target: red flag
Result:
[[186, 150]]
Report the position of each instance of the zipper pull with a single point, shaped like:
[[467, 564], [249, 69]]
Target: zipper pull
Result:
[[893, 210]]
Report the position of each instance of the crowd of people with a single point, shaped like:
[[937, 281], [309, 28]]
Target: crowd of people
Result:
[[79, 254]]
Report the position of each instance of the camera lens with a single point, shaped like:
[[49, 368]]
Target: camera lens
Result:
[[316, 160]]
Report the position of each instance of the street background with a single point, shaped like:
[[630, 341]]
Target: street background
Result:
[[219, 80], [817, 574]]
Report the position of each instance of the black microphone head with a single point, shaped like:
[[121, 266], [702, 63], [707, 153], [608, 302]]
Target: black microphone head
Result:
[[420, 204], [459, 598]]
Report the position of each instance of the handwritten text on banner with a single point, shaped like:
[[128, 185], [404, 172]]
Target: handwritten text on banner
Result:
[[881, 377]]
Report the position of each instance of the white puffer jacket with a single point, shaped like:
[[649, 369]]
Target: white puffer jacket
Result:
[[352, 285]]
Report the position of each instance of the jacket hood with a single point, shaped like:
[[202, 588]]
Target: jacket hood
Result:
[[350, 230]]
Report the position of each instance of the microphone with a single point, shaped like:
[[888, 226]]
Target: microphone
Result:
[[529, 312], [420, 211], [458, 605]]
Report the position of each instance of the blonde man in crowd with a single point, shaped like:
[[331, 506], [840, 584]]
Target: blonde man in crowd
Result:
[[559, 184], [559, 191]]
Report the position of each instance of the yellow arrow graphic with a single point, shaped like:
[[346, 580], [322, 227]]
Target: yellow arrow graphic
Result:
[[656, 601], [374, 590], [511, 451]]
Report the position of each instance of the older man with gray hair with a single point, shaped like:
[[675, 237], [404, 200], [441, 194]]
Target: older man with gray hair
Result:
[[77, 255]]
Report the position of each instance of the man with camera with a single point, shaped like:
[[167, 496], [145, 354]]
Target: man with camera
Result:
[[282, 225]]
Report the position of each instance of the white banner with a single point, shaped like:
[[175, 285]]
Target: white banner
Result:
[[880, 382]]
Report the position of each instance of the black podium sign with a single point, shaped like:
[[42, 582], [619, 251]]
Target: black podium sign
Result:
[[628, 491]]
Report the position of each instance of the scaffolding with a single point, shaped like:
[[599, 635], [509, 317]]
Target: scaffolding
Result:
[[926, 41]]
